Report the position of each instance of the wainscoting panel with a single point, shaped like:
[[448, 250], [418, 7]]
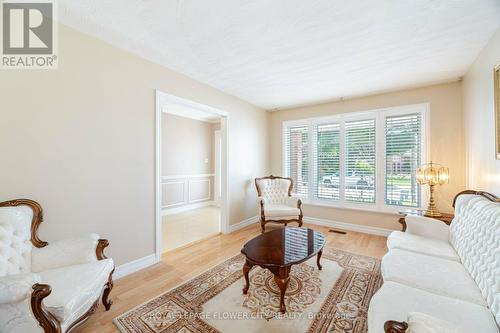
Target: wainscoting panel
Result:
[[186, 190], [199, 190], [174, 193]]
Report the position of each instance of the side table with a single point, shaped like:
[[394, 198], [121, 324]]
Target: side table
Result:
[[445, 217]]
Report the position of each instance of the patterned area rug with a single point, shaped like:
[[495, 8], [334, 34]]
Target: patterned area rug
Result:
[[334, 299]]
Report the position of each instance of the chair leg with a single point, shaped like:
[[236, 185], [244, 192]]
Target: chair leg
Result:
[[107, 290], [262, 226], [300, 222]]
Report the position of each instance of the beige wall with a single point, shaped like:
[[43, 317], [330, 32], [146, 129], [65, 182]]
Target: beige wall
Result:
[[188, 150], [80, 140], [186, 143], [483, 170], [446, 140]]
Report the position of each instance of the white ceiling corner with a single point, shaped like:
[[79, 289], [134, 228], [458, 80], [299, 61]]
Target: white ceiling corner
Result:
[[284, 53]]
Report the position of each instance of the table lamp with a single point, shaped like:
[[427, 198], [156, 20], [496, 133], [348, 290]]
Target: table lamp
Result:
[[432, 174]]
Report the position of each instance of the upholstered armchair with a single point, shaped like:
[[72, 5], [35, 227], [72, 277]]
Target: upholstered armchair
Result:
[[48, 288], [276, 202]]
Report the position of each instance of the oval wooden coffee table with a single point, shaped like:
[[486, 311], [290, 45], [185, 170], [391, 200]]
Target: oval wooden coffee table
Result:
[[278, 251]]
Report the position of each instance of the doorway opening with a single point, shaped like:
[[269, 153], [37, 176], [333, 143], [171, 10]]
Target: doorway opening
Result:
[[191, 172]]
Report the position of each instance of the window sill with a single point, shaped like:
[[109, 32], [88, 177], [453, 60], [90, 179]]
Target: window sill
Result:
[[357, 207]]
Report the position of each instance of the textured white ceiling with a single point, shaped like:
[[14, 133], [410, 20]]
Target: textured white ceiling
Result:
[[282, 53]]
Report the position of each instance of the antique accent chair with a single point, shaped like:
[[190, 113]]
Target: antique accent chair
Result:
[[445, 278], [48, 288], [276, 202]]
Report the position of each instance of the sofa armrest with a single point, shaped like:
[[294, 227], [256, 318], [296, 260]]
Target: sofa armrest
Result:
[[420, 322], [14, 288], [71, 251], [427, 227], [261, 202], [392, 326], [47, 321]]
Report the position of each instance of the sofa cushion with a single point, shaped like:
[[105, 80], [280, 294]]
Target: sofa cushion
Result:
[[414, 243], [436, 275], [394, 301], [75, 288], [281, 210], [14, 288], [16, 317], [475, 235]]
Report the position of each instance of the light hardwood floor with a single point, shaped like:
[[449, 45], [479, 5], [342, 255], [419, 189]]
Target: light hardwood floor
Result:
[[182, 264], [181, 229]]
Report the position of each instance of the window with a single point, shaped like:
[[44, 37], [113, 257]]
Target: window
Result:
[[327, 158], [297, 143], [363, 160], [402, 158], [359, 178]]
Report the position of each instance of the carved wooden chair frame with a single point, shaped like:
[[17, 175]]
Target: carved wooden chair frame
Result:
[[392, 326], [263, 220], [47, 320]]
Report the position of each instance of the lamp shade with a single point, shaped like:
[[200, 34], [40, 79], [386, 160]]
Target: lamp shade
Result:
[[443, 175], [432, 174]]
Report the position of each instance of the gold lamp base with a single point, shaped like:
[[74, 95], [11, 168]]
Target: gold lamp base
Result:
[[432, 212], [432, 209]]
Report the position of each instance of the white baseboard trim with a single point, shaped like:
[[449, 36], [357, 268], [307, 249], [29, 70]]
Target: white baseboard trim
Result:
[[348, 226], [323, 222], [242, 224], [185, 208], [134, 266]]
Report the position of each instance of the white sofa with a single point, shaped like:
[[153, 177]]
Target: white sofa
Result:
[[47, 288], [451, 273], [276, 202]]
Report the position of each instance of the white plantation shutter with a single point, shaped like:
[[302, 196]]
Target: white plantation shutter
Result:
[[364, 160], [402, 158], [360, 161], [327, 161], [296, 144]]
